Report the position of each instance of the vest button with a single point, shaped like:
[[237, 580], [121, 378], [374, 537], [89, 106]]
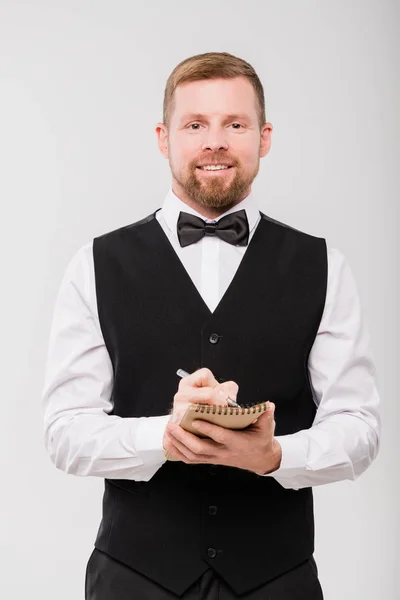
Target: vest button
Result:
[[211, 553], [214, 338], [212, 510]]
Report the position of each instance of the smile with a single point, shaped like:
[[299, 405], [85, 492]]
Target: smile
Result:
[[215, 169]]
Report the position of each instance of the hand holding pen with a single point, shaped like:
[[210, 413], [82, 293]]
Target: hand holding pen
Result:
[[227, 398], [201, 387]]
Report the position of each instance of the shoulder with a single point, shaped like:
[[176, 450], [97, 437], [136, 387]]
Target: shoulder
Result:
[[288, 229], [294, 243], [80, 263], [338, 266], [335, 258], [120, 232]]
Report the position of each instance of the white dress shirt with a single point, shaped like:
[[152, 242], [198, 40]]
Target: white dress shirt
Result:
[[81, 436]]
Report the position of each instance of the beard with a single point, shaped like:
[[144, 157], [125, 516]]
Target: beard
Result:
[[215, 192]]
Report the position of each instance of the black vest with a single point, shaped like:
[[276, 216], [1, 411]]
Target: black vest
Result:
[[187, 518]]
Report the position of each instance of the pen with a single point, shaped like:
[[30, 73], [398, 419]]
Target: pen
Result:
[[231, 402]]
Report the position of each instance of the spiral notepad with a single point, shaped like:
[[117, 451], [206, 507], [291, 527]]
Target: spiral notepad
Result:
[[230, 417]]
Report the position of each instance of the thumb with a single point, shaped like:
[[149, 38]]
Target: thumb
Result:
[[265, 419]]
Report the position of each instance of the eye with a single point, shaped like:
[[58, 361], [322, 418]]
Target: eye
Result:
[[238, 124], [192, 124]]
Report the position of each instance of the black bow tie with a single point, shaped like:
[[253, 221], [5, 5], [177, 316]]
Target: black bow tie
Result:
[[233, 229]]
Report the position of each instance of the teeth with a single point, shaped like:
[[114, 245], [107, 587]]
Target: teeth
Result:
[[214, 167]]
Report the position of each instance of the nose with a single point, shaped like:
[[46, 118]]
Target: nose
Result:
[[215, 139]]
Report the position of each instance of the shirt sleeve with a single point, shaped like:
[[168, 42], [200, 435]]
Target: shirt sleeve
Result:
[[345, 436], [80, 435]]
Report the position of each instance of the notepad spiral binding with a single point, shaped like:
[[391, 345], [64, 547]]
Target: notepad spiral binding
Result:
[[230, 410]]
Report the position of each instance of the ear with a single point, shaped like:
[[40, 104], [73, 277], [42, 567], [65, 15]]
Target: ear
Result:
[[162, 138], [265, 141]]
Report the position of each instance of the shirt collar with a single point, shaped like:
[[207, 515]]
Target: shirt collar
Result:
[[173, 205]]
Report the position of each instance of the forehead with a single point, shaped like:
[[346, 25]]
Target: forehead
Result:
[[215, 97]]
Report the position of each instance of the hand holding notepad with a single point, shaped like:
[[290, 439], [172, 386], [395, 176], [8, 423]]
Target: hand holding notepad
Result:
[[223, 416], [229, 415]]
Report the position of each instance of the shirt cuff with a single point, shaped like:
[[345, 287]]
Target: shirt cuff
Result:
[[294, 458], [149, 438]]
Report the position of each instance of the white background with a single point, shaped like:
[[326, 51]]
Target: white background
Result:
[[81, 88]]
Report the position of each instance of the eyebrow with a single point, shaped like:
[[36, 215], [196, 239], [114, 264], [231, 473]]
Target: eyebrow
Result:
[[200, 117]]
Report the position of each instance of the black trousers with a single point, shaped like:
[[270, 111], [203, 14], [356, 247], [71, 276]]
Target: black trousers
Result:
[[108, 579]]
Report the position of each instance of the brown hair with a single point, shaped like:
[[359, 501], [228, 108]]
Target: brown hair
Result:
[[212, 65]]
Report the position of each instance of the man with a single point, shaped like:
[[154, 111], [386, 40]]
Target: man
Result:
[[254, 310]]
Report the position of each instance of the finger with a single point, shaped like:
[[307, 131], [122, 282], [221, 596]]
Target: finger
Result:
[[223, 391], [217, 395], [174, 452], [266, 420], [193, 444], [231, 388], [218, 434], [187, 454], [204, 378], [201, 378], [171, 448], [168, 447], [270, 410], [201, 395]]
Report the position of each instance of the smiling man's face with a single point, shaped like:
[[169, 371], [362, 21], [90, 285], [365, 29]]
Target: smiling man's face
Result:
[[214, 122]]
